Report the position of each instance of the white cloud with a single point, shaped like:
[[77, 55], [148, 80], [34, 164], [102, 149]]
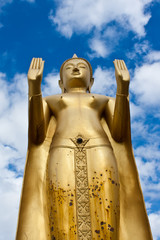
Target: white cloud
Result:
[[155, 223], [105, 19], [147, 170], [4, 98], [140, 48], [111, 32], [104, 81], [146, 84], [14, 96], [150, 152], [153, 56], [83, 16], [148, 206], [51, 86], [103, 42], [98, 48], [136, 111], [139, 129], [10, 188], [13, 146], [147, 158], [149, 179]]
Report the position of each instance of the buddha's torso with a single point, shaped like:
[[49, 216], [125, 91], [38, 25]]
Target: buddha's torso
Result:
[[78, 114], [83, 177]]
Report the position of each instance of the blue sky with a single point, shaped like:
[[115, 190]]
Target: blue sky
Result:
[[99, 31]]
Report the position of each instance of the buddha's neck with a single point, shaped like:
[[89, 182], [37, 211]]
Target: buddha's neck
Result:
[[77, 90]]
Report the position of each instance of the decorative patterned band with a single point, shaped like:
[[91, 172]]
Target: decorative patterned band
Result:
[[82, 191]]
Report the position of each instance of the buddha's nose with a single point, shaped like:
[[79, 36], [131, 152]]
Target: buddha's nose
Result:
[[75, 69]]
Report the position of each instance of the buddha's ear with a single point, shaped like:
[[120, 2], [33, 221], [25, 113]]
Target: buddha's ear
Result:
[[61, 86], [90, 85]]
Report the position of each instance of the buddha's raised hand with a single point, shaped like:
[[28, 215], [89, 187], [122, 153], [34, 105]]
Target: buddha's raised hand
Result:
[[122, 76], [35, 74]]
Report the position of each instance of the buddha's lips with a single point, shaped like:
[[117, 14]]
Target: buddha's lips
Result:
[[75, 73]]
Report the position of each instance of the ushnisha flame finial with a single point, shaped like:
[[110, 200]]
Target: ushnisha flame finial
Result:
[[74, 56]]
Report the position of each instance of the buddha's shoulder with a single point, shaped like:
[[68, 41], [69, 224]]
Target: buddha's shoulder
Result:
[[57, 97], [52, 98], [100, 96]]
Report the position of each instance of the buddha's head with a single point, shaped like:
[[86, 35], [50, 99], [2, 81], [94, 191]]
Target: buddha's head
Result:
[[76, 75]]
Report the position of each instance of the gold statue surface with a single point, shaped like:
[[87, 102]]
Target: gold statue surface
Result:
[[81, 181]]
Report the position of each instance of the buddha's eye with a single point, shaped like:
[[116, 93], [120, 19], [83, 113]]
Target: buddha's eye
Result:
[[82, 67], [68, 68]]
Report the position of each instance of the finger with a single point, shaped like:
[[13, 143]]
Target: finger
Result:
[[40, 61], [115, 64], [41, 67], [121, 64], [34, 63], [124, 65], [37, 62], [31, 65], [117, 70], [36, 66]]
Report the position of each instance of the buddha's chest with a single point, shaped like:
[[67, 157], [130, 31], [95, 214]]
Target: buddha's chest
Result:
[[78, 102]]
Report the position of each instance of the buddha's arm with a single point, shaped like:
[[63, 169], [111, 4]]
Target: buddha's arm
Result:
[[118, 121], [38, 108]]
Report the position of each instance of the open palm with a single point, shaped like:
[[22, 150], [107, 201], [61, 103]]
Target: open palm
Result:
[[36, 69], [122, 76]]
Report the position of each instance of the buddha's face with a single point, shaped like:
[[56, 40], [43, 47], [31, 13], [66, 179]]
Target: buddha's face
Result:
[[76, 74]]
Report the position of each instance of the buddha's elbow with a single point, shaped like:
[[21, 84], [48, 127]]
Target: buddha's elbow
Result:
[[118, 136], [37, 137]]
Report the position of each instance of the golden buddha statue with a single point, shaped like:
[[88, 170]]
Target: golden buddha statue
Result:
[[81, 181]]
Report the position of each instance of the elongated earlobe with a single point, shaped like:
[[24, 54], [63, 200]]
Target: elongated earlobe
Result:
[[91, 83], [61, 86]]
